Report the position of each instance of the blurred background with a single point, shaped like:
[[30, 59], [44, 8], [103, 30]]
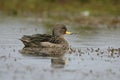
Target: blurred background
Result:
[[40, 7], [77, 12]]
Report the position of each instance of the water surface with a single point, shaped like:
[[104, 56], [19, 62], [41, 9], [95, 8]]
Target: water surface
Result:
[[83, 64]]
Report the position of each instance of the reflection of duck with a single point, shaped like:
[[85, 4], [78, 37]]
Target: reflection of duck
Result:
[[58, 62], [46, 45]]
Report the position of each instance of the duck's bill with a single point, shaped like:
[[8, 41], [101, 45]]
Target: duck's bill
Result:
[[67, 32]]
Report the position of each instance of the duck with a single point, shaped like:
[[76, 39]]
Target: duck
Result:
[[47, 44]]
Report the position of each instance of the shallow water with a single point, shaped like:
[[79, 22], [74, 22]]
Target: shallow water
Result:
[[85, 64]]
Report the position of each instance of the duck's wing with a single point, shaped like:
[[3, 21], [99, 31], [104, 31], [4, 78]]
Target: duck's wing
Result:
[[35, 40]]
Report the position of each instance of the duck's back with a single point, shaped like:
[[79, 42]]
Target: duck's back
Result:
[[35, 40]]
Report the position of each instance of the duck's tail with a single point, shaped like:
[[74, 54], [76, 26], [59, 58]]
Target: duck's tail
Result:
[[26, 40]]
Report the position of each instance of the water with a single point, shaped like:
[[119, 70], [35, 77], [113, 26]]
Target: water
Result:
[[84, 65]]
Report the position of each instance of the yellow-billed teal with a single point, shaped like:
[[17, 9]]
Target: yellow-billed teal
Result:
[[45, 44]]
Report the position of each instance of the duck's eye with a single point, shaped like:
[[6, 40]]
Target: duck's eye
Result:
[[64, 28]]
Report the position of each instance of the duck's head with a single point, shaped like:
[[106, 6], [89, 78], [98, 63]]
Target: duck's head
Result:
[[60, 30]]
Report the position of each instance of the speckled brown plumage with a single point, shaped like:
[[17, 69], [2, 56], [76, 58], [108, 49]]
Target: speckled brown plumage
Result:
[[45, 44]]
